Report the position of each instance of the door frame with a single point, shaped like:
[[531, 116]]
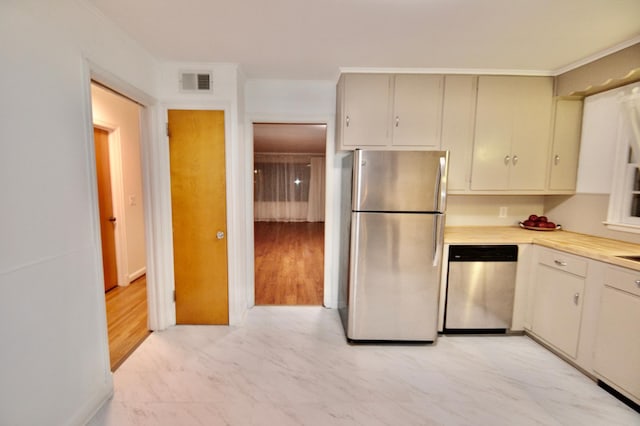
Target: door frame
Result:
[[117, 198], [332, 196]]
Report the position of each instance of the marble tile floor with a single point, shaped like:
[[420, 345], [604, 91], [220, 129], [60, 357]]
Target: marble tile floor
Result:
[[292, 366]]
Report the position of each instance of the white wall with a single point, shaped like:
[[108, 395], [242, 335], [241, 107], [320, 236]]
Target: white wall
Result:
[[54, 362], [484, 210], [295, 101], [585, 213], [122, 118]]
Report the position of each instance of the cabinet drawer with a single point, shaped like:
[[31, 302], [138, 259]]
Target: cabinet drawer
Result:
[[625, 280], [564, 262]]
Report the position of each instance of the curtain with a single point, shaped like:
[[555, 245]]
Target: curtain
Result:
[[631, 103], [282, 186], [315, 206]]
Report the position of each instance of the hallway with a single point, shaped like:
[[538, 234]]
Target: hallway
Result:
[[289, 263], [126, 319]]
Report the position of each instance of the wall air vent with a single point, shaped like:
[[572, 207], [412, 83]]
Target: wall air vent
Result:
[[195, 81]]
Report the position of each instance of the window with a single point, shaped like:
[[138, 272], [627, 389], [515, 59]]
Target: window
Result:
[[624, 203], [281, 181]]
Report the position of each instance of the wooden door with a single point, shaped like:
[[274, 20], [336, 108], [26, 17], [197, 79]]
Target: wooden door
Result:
[[198, 202], [105, 203]]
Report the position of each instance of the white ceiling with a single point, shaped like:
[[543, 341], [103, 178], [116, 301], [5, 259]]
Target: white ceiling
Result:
[[290, 138], [311, 39]]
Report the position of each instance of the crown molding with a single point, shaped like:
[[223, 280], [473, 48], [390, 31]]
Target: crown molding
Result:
[[467, 71], [596, 56]]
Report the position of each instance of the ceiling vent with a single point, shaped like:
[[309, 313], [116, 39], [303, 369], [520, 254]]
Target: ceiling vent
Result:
[[195, 81]]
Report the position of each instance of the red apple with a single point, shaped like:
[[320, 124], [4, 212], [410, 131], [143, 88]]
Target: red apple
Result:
[[550, 225], [542, 219], [533, 217], [529, 223]]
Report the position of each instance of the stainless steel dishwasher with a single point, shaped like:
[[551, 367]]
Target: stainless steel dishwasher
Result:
[[480, 288]]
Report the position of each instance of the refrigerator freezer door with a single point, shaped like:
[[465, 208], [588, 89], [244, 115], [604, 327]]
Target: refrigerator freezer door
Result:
[[401, 181], [394, 278]]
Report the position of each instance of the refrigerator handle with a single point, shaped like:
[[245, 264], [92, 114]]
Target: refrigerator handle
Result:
[[441, 185], [438, 238]]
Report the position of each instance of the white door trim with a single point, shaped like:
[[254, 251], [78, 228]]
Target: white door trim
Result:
[[233, 219]]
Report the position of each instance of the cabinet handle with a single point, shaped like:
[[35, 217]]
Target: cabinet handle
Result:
[[397, 121], [576, 298], [507, 159], [637, 283], [560, 263], [556, 159], [348, 120], [515, 160]]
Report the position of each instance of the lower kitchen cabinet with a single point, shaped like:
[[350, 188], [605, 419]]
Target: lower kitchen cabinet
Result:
[[617, 348], [558, 290]]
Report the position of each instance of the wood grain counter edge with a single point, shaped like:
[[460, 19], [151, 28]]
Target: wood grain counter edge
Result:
[[597, 248]]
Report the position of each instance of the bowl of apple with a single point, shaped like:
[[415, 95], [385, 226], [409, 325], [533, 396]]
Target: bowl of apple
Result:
[[539, 223]]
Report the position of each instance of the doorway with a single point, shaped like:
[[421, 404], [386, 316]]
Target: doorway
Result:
[[289, 206], [116, 121]]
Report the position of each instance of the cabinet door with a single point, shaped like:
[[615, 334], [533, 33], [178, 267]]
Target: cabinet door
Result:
[[458, 113], [512, 133], [557, 308], [366, 112], [617, 352], [417, 109], [566, 145], [492, 145], [532, 103]]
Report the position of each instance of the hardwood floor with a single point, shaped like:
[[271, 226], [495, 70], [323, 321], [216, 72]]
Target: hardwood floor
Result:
[[289, 259], [126, 319]]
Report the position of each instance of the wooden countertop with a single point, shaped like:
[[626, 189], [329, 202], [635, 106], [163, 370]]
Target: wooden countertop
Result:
[[598, 248]]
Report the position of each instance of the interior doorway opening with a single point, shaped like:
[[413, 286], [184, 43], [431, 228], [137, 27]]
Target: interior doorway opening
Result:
[[116, 120], [289, 167]]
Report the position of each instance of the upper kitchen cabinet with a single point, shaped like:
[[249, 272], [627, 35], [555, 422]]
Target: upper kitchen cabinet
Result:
[[458, 115], [417, 110], [567, 125], [513, 118], [364, 110], [389, 111]]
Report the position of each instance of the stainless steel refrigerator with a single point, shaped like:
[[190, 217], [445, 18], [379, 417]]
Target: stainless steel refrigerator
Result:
[[395, 228]]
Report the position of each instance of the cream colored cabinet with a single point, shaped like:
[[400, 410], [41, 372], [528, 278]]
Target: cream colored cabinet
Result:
[[558, 290], [458, 115], [389, 111], [417, 110], [563, 167], [365, 110], [617, 349], [512, 133]]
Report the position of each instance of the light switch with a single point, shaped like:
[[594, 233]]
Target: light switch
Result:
[[132, 200]]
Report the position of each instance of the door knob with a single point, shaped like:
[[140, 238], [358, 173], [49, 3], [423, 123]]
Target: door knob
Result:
[[112, 219], [219, 235]]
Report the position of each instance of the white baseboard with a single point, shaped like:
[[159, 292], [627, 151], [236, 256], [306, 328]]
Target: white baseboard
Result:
[[88, 410], [137, 274]]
